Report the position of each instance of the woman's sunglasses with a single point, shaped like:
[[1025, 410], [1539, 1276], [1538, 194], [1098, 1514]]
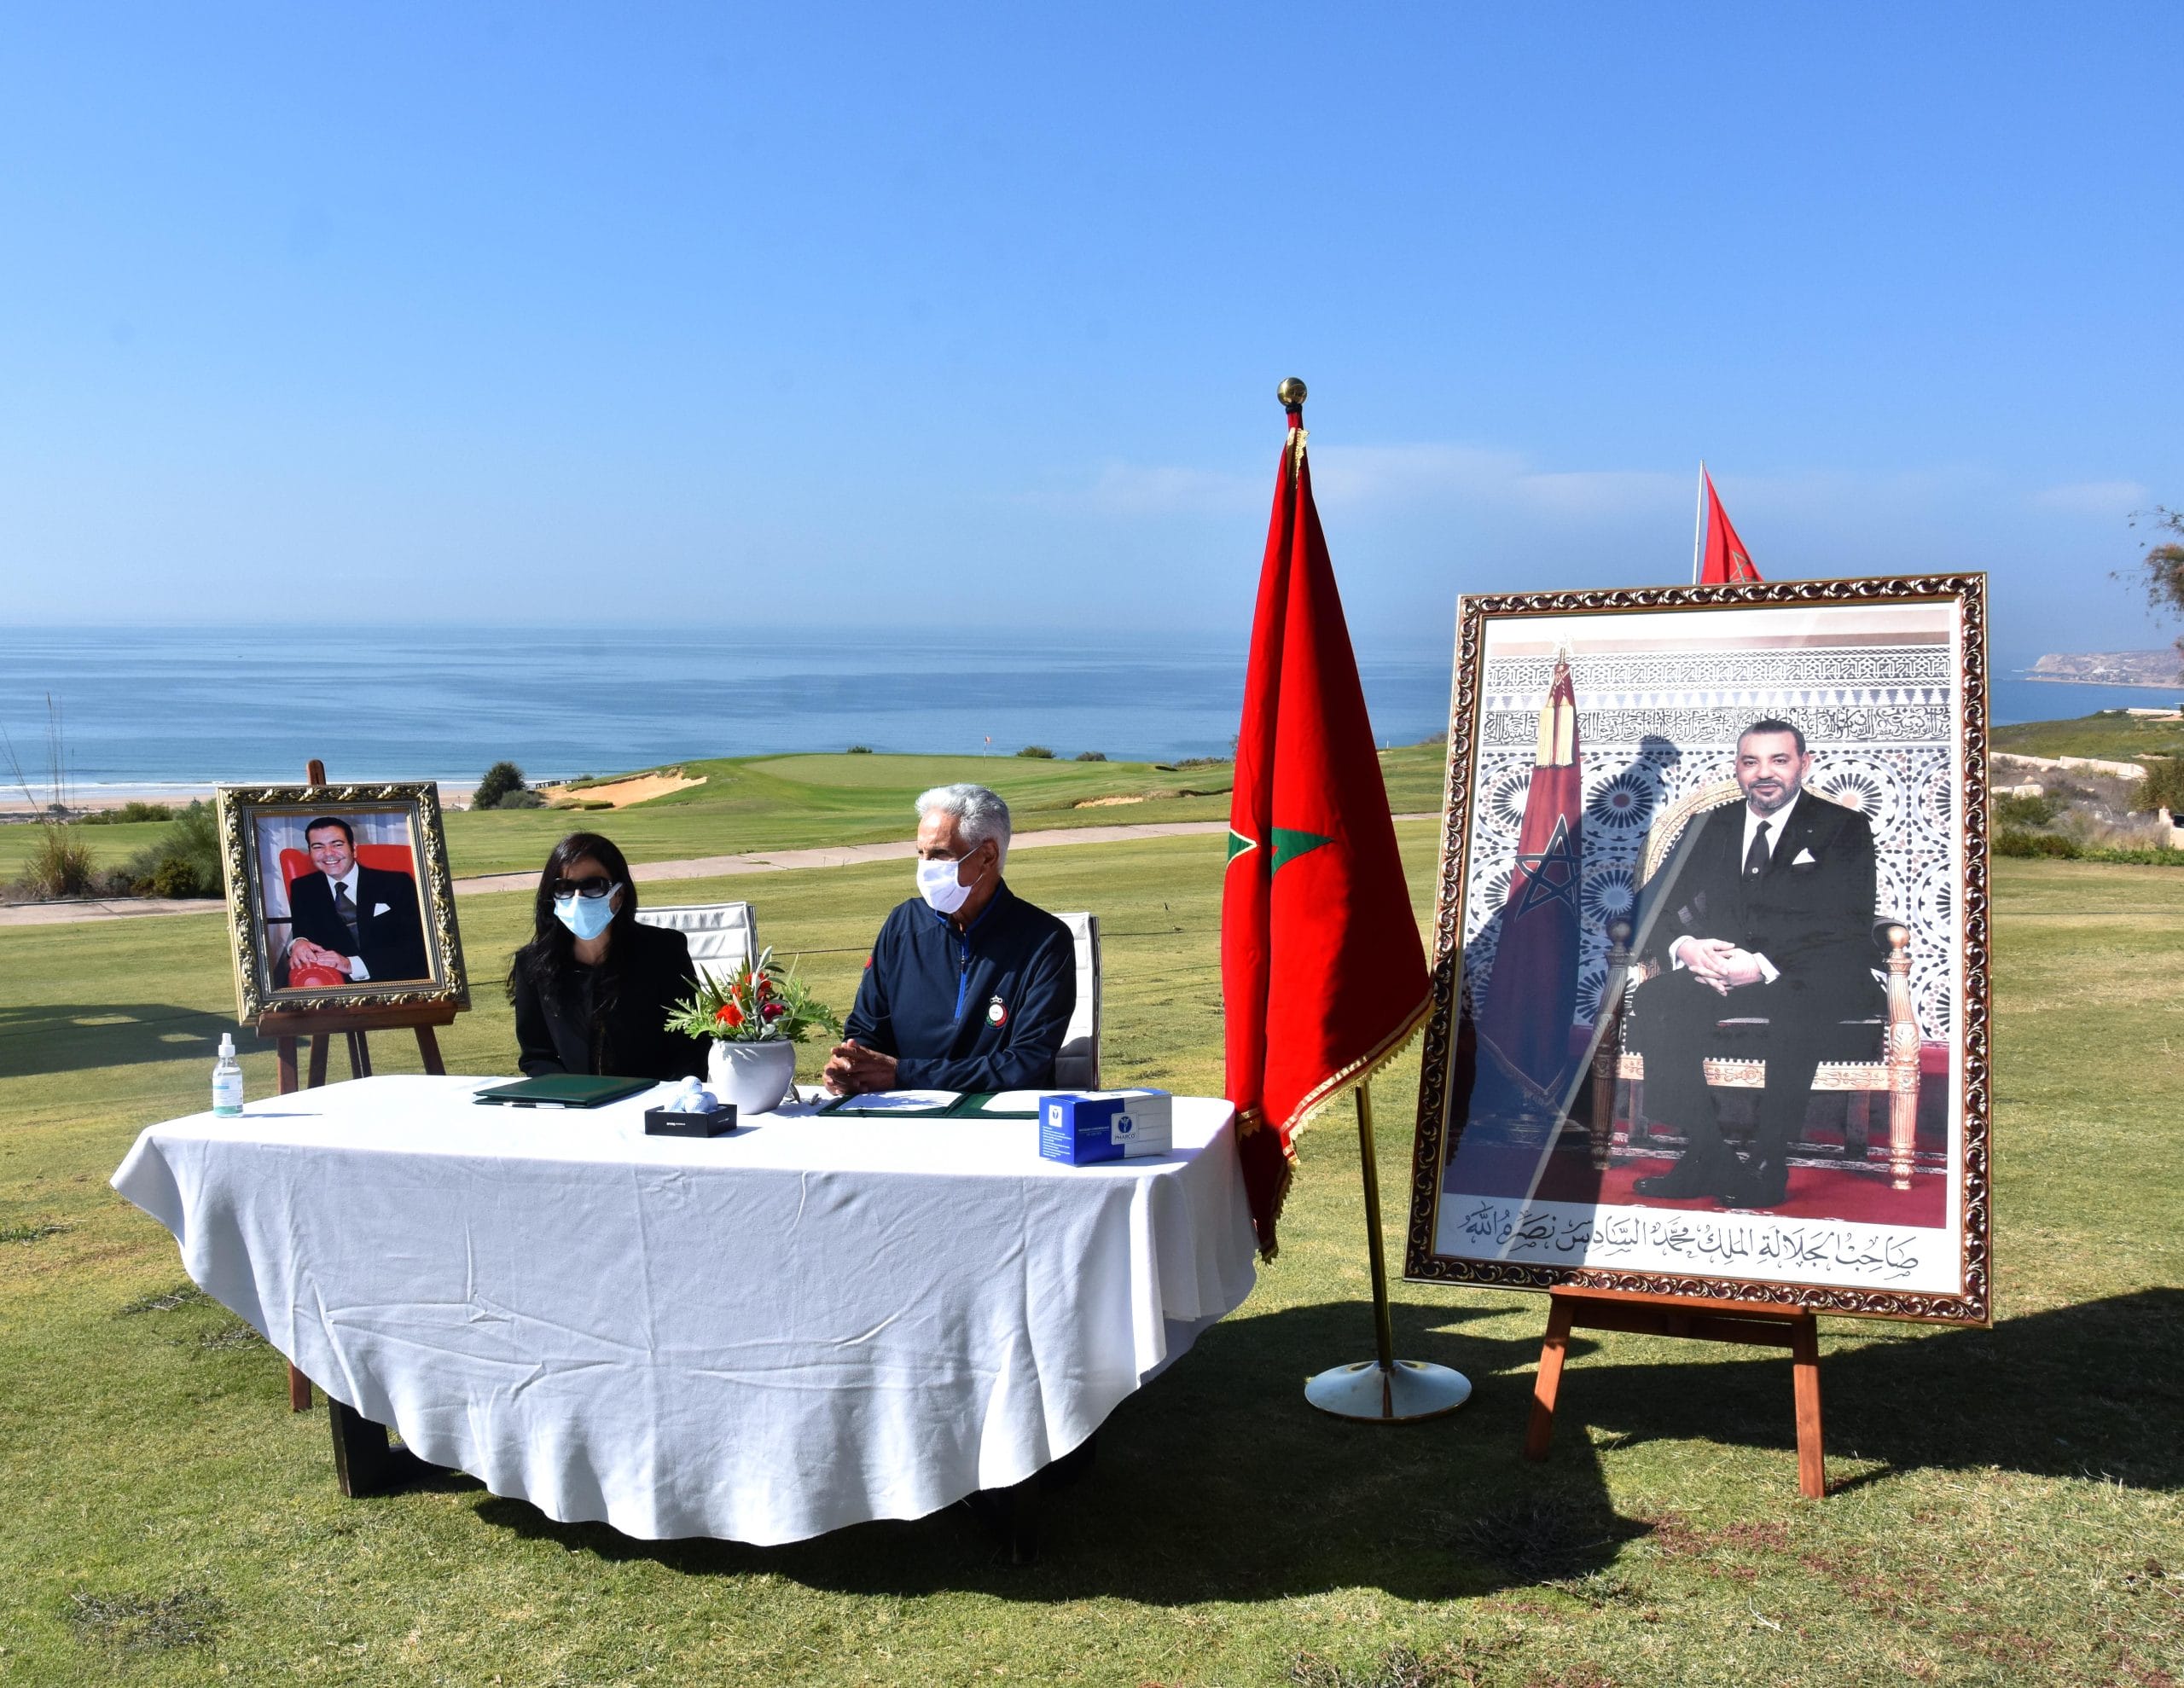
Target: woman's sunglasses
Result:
[[597, 886]]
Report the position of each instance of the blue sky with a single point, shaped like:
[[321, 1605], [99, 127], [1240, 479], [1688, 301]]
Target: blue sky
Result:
[[831, 320]]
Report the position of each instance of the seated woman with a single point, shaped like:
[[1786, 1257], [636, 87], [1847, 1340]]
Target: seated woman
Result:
[[593, 988]]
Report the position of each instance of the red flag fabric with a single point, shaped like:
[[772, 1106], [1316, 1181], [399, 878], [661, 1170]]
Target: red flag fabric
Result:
[[1531, 994], [1726, 560], [1322, 974]]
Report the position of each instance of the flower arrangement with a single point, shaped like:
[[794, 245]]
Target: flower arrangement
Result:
[[757, 1003]]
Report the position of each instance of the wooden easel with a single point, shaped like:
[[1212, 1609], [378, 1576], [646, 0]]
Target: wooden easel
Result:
[[1750, 1322], [288, 1028]]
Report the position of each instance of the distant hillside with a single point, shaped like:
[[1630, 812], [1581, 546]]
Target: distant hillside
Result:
[[2114, 737], [2113, 668]]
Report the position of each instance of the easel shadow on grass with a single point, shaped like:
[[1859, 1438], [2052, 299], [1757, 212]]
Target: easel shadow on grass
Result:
[[2073, 1392], [1217, 1482], [73, 1037]]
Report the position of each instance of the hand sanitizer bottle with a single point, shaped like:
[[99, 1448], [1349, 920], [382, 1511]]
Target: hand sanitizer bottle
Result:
[[227, 1080]]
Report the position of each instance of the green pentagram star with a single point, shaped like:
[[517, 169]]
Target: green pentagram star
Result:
[[1289, 843]]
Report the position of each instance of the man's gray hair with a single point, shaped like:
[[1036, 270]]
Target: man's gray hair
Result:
[[980, 814]]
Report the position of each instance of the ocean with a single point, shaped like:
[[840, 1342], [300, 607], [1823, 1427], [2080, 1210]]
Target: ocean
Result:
[[148, 711]]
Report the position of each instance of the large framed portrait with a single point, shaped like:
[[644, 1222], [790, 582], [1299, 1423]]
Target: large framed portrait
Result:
[[339, 896], [1709, 1013]]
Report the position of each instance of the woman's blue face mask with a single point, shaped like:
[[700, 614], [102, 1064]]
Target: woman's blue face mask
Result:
[[586, 916]]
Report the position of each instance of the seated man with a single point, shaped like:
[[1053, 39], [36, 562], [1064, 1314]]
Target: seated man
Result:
[[362, 922], [1764, 914], [968, 987]]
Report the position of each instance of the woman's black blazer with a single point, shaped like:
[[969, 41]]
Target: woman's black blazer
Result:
[[624, 1035]]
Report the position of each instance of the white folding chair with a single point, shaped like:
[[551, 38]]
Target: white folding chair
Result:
[[723, 936], [1076, 1064]]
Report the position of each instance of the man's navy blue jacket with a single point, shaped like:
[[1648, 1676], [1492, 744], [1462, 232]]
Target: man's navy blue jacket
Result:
[[983, 1009]]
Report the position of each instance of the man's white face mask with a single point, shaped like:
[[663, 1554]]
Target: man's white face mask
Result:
[[938, 884]]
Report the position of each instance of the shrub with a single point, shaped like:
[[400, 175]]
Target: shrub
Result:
[[60, 865], [500, 779], [860, 750], [1038, 752], [1196, 761], [2163, 787], [2019, 810], [2016, 841], [129, 811], [1091, 755], [524, 798], [184, 861]]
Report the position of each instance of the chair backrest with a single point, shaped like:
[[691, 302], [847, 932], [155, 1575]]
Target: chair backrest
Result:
[[1076, 1064], [723, 936], [1669, 825]]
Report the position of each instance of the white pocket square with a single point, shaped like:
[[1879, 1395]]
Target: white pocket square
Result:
[[378, 909], [1804, 858]]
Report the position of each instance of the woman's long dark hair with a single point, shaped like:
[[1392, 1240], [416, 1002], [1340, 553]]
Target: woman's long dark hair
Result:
[[551, 954]]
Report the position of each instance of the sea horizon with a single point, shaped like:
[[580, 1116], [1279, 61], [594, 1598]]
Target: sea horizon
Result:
[[170, 712]]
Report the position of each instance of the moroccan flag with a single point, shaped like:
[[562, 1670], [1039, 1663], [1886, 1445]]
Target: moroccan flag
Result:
[[1726, 560], [1323, 975], [1531, 994]]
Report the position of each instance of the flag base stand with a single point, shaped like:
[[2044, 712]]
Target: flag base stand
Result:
[[1409, 1391], [1385, 1390]]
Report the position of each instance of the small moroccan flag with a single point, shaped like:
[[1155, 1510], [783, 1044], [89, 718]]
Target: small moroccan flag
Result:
[[1322, 974], [1726, 561], [1531, 994]]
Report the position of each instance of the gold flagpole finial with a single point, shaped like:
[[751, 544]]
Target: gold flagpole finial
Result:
[[1291, 393]]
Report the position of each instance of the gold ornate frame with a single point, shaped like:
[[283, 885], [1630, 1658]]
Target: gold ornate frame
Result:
[[240, 807], [1972, 1303]]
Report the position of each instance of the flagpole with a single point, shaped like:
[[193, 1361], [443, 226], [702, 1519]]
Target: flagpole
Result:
[[1383, 1390], [1699, 524]]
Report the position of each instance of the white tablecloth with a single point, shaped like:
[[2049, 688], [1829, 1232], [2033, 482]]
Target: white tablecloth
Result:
[[811, 1323]]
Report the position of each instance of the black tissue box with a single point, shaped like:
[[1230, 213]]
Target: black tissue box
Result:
[[663, 1123]]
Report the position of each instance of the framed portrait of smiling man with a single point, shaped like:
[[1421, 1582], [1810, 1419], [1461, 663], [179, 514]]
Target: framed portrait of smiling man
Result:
[[1711, 1011], [340, 897]]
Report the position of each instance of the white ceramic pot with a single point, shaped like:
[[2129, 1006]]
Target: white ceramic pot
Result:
[[754, 1076]]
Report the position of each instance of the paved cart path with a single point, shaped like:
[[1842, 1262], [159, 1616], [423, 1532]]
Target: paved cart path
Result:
[[696, 867]]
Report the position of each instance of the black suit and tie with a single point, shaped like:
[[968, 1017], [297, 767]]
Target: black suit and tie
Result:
[[1798, 895], [378, 922]]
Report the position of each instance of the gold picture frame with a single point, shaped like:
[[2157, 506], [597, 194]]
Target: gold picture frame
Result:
[[1894, 698], [301, 946]]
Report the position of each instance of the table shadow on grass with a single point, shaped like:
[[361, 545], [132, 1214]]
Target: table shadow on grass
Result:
[[1217, 1482], [75, 1037]]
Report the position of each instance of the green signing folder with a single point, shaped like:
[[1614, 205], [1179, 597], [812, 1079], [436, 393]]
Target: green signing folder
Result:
[[563, 1090]]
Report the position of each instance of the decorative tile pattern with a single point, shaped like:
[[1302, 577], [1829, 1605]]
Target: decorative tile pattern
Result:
[[1653, 726]]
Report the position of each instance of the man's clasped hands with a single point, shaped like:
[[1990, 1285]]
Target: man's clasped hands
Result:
[[1719, 963], [303, 953]]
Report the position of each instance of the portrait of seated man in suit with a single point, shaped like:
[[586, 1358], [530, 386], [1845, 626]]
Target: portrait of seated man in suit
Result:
[[1762, 916], [363, 922]]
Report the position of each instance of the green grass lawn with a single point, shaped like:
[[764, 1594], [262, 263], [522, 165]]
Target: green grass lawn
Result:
[[2007, 1509], [784, 803]]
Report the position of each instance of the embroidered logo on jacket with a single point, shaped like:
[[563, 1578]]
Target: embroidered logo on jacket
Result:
[[997, 1012]]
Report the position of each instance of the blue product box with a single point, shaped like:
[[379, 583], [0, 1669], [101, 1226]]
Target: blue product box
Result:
[[1080, 1127]]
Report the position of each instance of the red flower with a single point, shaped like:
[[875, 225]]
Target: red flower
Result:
[[774, 1011], [730, 1015]]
